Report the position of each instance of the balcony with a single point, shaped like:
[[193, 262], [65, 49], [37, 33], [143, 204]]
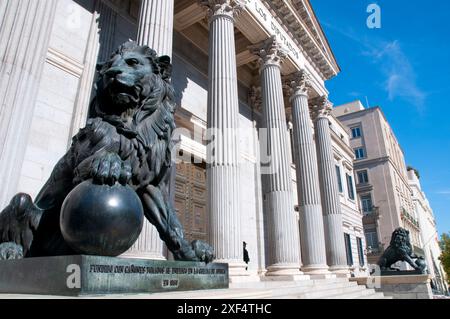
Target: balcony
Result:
[[371, 216], [406, 216]]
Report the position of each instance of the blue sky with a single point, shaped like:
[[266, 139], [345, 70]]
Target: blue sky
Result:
[[403, 67]]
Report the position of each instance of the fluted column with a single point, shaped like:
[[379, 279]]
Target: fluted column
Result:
[[156, 31], [82, 102], [284, 252], [156, 25], [25, 29], [107, 24], [312, 235], [223, 145], [332, 214]]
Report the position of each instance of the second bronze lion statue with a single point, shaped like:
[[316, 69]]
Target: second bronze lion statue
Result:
[[400, 249], [127, 140]]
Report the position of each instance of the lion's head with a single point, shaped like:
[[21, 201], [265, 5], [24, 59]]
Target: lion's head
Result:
[[133, 84], [400, 240]]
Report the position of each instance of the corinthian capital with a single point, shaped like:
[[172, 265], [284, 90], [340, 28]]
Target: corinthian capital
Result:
[[297, 83], [321, 108], [269, 52], [228, 8], [255, 98]]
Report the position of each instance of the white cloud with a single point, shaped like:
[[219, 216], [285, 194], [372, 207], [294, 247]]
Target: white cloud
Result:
[[400, 77]]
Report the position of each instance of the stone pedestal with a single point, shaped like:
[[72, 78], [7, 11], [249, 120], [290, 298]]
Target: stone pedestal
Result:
[[92, 275], [399, 286]]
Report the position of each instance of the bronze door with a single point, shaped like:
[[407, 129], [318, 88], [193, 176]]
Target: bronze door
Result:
[[190, 200]]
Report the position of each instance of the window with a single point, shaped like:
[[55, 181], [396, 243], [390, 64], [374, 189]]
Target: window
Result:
[[348, 249], [356, 132], [363, 177], [360, 251], [351, 193], [366, 204], [339, 179], [371, 239], [360, 153]]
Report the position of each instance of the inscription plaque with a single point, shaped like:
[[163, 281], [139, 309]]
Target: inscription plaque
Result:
[[94, 275]]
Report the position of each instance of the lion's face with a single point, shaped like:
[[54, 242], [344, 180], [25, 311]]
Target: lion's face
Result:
[[125, 81], [400, 239], [133, 75]]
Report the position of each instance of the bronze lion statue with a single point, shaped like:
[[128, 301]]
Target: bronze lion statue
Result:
[[127, 140], [400, 249]]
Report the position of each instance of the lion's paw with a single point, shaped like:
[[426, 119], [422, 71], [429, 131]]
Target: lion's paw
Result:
[[110, 169], [9, 251], [203, 251]]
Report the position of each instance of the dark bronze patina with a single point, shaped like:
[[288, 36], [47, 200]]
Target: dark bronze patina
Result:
[[127, 141]]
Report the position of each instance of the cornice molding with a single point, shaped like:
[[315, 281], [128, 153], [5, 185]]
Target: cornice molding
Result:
[[308, 33]]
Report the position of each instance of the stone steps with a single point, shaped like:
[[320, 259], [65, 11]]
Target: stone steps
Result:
[[313, 289], [305, 292], [207, 294], [290, 284], [376, 295], [335, 288], [318, 292], [356, 294]]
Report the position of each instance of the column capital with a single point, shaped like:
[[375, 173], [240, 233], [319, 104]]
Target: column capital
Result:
[[321, 107], [255, 98], [269, 52], [298, 83], [226, 8]]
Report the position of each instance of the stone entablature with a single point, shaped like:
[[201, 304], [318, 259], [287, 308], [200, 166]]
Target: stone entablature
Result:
[[300, 49], [299, 20]]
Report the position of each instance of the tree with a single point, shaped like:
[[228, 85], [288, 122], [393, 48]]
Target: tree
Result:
[[416, 171], [445, 257]]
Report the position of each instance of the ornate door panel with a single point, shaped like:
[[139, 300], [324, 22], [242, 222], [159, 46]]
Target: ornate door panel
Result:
[[190, 200]]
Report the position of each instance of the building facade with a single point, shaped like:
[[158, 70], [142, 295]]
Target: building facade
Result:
[[429, 234], [355, 241], [381, 178], [258, 150]]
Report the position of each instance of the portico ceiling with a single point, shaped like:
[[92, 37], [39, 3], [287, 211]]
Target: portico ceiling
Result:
[[297, 18]]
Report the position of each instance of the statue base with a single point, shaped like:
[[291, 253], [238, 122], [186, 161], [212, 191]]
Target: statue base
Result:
[[95, 275], [399, 287], [401, 272]]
